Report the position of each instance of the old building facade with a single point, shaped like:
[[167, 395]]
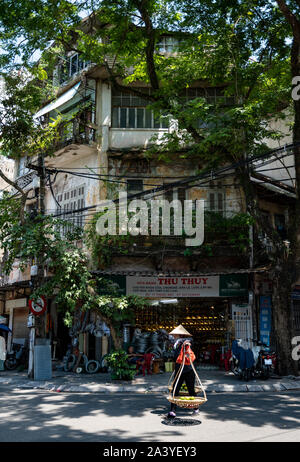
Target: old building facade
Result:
[[214, 290]]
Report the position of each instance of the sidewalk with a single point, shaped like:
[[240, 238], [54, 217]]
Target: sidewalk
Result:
[[214, 381]]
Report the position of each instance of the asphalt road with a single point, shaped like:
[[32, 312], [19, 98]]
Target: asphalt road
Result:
[[39, 416]]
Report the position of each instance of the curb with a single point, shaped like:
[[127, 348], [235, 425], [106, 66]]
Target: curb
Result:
[[111, 389]]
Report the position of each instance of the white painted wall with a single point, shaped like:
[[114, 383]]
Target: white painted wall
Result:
[[133, 137], [85, 156]]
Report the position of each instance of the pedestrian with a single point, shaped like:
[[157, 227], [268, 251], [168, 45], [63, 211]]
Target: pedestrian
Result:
[[2, 351], [135, 358], [182, 337]]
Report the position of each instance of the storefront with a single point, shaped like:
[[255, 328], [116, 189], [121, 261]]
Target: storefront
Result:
[[213, 308]]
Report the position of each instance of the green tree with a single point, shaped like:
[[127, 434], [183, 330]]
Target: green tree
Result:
[[240, 45], [70, 282]]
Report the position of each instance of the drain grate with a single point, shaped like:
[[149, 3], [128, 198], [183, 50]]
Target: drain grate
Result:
[[177, 422]]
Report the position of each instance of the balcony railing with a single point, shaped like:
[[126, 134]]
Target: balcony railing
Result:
[[76, 132]]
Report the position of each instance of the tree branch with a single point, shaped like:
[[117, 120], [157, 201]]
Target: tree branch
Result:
[[24, 194], [290, 17], [150, 47]]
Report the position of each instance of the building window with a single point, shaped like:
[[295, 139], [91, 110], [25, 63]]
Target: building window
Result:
[[70, 66], [215, 202], [212, 95], [70, 202], [168, 44], [129, 111], [134, 186]]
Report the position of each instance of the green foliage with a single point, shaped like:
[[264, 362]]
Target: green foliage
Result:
[[23, 96], [121, 369], [234, 230], [102, 247], [71, 284], [241, 45]]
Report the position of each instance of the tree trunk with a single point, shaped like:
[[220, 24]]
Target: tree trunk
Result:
[[290, 274], [117, 339], [282, 322]]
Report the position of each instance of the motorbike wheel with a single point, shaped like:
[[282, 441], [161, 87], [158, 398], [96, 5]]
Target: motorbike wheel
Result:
[[10, 364], [266, 373], [233, 369], [92, 366], [247, 375], [70, 363]]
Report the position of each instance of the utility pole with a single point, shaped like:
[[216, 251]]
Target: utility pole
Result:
[[38, 279]]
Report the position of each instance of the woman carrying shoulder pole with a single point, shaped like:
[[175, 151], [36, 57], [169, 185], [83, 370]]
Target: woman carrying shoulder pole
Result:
[[182, 346]]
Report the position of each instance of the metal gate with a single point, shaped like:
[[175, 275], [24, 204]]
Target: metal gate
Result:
[[242, 318]]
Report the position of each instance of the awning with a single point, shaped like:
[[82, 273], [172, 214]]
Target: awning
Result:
[[59, 101], [273, 188], [150, 273]]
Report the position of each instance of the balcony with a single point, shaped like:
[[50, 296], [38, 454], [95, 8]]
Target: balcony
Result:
[[225, 239], [76, 131]]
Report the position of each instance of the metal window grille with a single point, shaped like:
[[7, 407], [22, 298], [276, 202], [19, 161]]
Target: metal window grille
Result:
[[242, 317], [71, 66], [71, 201], [212, 95], [168, 44], [129, 111]]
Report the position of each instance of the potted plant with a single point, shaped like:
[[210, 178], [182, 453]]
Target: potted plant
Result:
[[120, 368]]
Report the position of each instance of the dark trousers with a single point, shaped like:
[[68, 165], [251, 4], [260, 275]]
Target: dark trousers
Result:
[[189, 378]]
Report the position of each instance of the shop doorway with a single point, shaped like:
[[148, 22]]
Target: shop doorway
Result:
[[208, 320]]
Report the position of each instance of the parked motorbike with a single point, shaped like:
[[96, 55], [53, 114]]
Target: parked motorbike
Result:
[[242, 361], [266, 362], [16, 357], [256, 363]]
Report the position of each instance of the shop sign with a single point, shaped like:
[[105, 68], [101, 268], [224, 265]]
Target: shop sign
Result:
[[233, 285], [39, 306], [265, 305], [229, 285], [183, 286]]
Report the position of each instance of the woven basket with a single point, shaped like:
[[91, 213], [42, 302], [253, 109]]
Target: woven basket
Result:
[[195, 403], [198, 389]]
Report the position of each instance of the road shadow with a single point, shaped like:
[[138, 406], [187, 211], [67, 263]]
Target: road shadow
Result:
[[45, 416]]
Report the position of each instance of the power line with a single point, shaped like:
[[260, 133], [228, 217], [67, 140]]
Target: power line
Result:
[[212, 175]]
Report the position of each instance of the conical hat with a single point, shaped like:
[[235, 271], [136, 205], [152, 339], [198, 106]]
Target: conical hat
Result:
[[180, 330]]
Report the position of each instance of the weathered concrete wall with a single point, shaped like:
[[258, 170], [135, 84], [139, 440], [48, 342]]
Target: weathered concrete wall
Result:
[[77, 158], [7, 166], [141, 168]]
